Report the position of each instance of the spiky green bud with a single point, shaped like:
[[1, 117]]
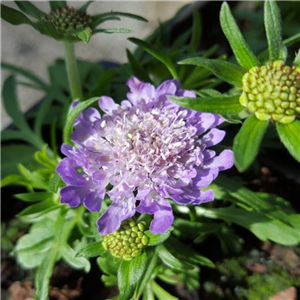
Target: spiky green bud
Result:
[[272, 92], [128, 242], [67, 19]]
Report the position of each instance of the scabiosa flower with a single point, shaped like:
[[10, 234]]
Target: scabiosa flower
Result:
[[140, 154]]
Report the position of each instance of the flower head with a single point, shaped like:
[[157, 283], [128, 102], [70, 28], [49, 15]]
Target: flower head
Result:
[[128, 242], [272, 92], [140, 154]]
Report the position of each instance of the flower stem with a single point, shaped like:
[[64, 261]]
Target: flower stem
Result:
[[72, 71]]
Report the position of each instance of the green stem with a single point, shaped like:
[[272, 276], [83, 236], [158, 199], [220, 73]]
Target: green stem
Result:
[[72, 71]]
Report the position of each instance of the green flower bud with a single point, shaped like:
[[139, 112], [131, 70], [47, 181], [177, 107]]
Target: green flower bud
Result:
[[272, 92], [69, 18], [128, 242]]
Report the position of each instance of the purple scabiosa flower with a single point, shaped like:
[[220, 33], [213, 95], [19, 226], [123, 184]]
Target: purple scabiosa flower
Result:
[[147, 150]]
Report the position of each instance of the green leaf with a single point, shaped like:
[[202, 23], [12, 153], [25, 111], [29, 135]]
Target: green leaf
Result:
[[273, 30], [84, 35], [156, 239], [28, 8], [91, 250], [54, 183], [12, 155], [129, 273], [297, 59], [69, 255], [170, 260], [161, 293], [258, 224], [85, 6], [34, 197], [247, 142], [196, 31], [115, 14], [156, 53], [241, 195], [42, 85], [221, 105], [14, 179], [44, 27], [11, 104], [33, 247], [73, 113], [113, 30], [56, 4], [289, 136], [13, 16], [36, 179], [226, 71], [240, 48], [39, 209]]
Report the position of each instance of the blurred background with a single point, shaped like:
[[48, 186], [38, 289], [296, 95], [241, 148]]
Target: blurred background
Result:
[[26, 48]]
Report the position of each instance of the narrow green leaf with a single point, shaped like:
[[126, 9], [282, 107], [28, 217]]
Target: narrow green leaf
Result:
[[47, 28], [219, 105], [240, 48], [226, 71], [156, 239], [273, 31], [14, 179], [56, 4], [85, 6], [247, 142], [100, 20], [54, 183], [260, 225], [297, 59], [156, 53], [34, 197], [73, 113], [115, 14], [196, 31], [13, 16], [39, 208], [289, 135], [28, 8], [11, 104], [91, 250], [292, 40], [113, 30], [170, 260], [26, 74], [241, 195], [161, 293], [129, 273]]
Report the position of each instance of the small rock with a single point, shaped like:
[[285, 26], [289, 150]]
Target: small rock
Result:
[[288, 294]]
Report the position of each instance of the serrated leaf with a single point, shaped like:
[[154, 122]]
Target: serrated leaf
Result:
[[273, 31], [170, 260], [247, 142], [156, 239], [129, 273], [74, 112], [156, 53], [226, 71], [221, 105], [289, 135], [28, 8], [91, 250], [34, 197], [240, 48], [69, 255], [13, 16]]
